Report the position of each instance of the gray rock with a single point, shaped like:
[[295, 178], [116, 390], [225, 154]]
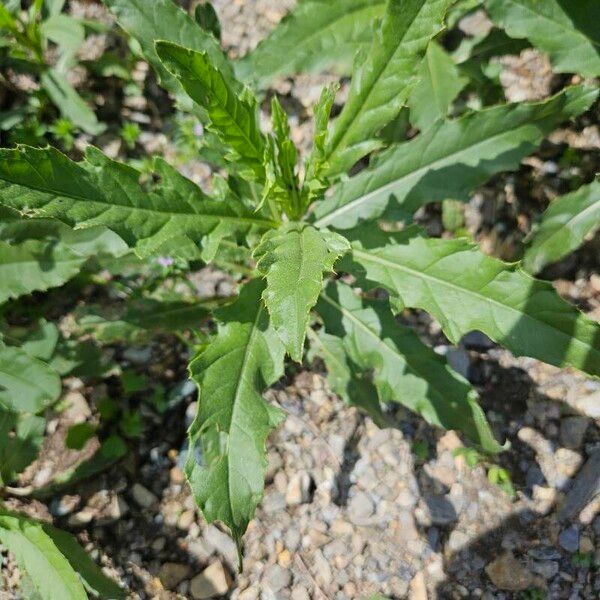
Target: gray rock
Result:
[[222, 543], [569, 538], [589, 405], [572, 431], [441, 510], [299, 489], [172, 574], [360, 508], [214, 581], [142, 496], [547, 568], [585, 487], [277, 578]]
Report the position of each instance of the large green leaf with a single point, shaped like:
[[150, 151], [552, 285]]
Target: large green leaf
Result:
[[449, 159], [21, 438], [172, 216], [383, 78], [138, 320], [293, 259], [564, 226], [27, 385], [316, 35], [404, 369], [233, 117], [233, 420], [35, 265], [164, 20], [566, 29], [466, 290], [57, 565], [439, 83], [38, 556]]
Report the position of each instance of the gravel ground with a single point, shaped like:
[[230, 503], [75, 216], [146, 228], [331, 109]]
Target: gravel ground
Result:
[[350, 510]]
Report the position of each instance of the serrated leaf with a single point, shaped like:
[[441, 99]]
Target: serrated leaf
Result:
[[566, 30], [404, 369], [39, 342], [98, 191], [233, 117], [466, 290], [383, 78], [38, 556], [449, 159], [293, 259], [69, 103], [345, 378], [440, 82], [35, 265], [21, 438], [564, 226], [140, 319], [27, 385], [233, 420], [316, 35], [164, 20]]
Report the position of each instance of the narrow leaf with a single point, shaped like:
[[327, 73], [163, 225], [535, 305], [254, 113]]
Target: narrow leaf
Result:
[[566, 29], [232, 117], [316, 35], [383, 78], [564, 226], [439, 83], [347, 379], [173, 213], [449, 159], [38, 556], [293, 259], [70, 104], [138, 320], [466, 290], [227, 460]]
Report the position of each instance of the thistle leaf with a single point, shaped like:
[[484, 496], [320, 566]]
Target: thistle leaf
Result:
[[466, 290], [293, 259], [383, 78], [316, 35], [566, 30], [449, 160], [164, 20], [173, 214], [564, 226], [404, 369], [233, 117], [227, 460]]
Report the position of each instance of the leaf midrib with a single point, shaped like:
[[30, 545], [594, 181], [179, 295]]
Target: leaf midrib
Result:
[[61, 194], [331, 151], [326, 219], [421, 274]]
